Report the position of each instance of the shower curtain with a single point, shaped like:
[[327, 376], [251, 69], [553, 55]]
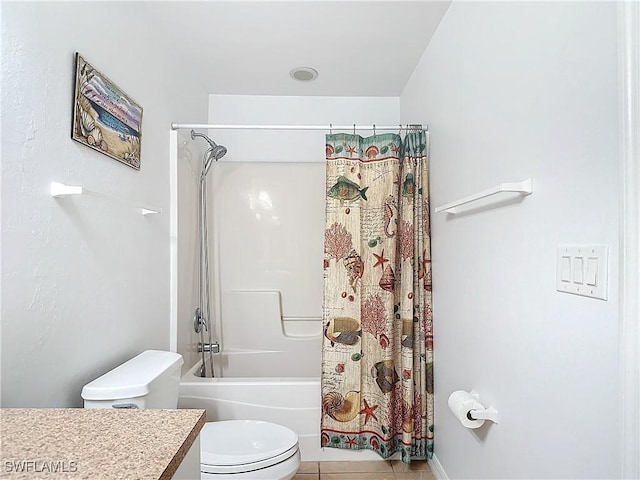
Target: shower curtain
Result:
[[377, 355]]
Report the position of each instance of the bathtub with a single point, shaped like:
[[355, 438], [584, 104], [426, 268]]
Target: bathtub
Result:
[[290, 401]]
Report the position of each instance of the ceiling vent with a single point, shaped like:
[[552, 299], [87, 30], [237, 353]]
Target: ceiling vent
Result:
[[304, 74]]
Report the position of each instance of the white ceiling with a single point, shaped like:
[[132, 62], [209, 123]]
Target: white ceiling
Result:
[[360, 48]]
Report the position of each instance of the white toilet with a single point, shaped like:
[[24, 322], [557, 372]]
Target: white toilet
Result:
[[235, 449]]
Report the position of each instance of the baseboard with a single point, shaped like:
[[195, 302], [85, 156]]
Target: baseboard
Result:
[[436, 469]]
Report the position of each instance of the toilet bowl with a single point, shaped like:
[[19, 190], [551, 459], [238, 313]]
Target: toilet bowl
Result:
[[233, 449], [243, 449]]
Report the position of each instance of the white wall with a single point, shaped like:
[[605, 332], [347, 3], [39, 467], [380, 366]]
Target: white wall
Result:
[[292, 145], [515, 90], [85, 281]]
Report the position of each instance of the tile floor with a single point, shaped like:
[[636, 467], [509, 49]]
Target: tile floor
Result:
[[376, 470]]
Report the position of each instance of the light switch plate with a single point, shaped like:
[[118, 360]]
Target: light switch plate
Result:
[[587, 271]]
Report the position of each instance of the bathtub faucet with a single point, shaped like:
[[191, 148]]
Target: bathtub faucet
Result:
[[209, 347]]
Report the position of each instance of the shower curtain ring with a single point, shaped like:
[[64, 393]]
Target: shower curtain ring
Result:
[[374, 129], [354, 128], [331, 129], [400, 130]]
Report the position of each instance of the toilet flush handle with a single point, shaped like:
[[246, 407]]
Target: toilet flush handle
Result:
[[125, 405]]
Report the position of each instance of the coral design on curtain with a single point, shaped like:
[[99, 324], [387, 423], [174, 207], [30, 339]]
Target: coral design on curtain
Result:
[[377, 355]]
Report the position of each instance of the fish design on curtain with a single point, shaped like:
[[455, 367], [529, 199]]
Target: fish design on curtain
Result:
[[377, 353]]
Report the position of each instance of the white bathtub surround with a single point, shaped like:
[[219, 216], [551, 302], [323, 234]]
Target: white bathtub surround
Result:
[[267, 265], [267, 234], [260, 342]]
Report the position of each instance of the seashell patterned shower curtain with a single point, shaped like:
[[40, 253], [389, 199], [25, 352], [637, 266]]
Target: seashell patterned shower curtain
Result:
[[377, 355]]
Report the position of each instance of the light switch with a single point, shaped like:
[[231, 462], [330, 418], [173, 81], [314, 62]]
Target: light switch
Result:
[[565, 268], [578, 269], [582, 270], [591, 275]]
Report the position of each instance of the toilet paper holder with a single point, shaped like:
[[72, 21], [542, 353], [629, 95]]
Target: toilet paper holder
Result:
[[490, 413]]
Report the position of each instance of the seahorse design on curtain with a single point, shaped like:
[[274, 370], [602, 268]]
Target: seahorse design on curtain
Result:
[[377, 375]]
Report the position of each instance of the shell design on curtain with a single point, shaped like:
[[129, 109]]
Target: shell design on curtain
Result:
[[377, 362]]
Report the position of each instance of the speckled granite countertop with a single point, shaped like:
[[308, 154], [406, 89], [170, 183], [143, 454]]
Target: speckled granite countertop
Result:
[[78, 443]]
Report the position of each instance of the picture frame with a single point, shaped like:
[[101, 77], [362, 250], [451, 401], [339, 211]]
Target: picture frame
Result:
[[104, 117]]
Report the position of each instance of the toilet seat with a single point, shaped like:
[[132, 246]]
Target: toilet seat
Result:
[[237, 446]]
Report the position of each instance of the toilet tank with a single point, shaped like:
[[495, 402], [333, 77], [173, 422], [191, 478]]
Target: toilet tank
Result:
[[150, 380]]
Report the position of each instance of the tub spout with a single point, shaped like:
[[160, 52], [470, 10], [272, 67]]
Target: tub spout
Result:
[[209, 347]]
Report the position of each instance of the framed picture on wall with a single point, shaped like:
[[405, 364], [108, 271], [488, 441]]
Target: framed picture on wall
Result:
[[104, 117]]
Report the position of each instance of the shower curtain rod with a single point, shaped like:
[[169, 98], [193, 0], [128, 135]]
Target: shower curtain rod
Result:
[[330, 127]]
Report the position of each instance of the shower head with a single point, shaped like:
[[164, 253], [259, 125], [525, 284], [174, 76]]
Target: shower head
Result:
[[216, 152]]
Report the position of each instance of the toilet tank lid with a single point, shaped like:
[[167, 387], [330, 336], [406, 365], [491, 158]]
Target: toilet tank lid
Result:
[[132, 378]]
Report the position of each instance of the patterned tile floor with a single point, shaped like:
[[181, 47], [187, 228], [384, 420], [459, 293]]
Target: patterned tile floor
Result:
[[376, 470]]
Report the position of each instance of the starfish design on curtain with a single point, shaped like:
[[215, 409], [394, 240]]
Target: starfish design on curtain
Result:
[[368, 411], [352, 442], [380, 260]]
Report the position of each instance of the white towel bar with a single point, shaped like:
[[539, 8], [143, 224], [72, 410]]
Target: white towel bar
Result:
[[59, 190], [525, 188]]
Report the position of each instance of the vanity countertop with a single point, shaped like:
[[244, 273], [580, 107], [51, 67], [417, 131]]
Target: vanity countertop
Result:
[[78, 443]]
